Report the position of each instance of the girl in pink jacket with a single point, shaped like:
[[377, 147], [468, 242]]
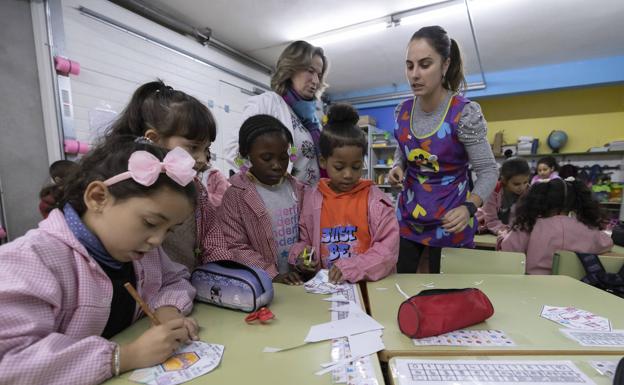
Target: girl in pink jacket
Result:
[[498, 212], [62, 289], [556, 215], [259, 214], [349, 222], [171, 118]]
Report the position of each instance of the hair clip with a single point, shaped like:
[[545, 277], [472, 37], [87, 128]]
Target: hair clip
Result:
[[570, 179], [292, 153], [143, 140], [243, 164]]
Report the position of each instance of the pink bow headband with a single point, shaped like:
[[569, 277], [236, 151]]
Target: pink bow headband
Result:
[[144, 168]]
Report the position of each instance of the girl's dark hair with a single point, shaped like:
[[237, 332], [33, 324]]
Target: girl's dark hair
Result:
[[110, 159], [259, 125], [341, 130], [170, 112], [446, 47], [549, 161], [59, 170], [554, 197], [514, 166]]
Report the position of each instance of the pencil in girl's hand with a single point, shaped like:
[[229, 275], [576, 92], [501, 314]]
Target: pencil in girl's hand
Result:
[[141, 303]]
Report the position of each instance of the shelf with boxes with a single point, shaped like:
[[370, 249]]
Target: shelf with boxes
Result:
[[381, 148], [602, 170]]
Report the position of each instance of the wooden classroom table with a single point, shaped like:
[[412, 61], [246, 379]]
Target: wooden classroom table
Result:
[[616, 250], [485, 241], [517, 300], [581, 362], [243, 361]]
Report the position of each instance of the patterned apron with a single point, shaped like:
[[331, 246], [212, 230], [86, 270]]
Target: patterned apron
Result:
[[436, 179]]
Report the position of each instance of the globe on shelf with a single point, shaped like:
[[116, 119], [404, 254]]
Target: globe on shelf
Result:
[[556, 140]]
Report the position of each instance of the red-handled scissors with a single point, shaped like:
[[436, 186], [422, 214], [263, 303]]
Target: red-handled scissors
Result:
[[263, 315]]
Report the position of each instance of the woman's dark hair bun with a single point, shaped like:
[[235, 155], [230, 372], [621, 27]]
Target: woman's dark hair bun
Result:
[[341, 114]]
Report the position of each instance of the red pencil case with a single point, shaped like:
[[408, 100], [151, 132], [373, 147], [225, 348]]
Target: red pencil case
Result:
[[438, 311]]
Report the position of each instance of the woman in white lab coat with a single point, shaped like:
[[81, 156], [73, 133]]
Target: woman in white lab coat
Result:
[[297, 84]]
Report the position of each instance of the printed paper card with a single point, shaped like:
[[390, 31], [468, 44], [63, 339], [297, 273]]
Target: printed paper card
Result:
[[605, 368], [614, 338], [190, 361], [409, 371], [573, 318], [320, 284], [467, 337]]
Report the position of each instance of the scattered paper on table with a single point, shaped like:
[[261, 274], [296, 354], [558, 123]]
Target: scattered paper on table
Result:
[[366, 343], [350, 308], [574, 318], [271, 349], [491, 372], [189, 361], [605, 368], [467, 337], [354, 324], [336, 298], [320, 284], [614, 338]]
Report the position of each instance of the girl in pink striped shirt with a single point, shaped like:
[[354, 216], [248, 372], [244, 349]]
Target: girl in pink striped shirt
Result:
[[259, 214], [171, 118], [62, 289]]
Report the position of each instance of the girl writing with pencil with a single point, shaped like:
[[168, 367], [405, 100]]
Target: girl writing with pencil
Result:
[[62, 289]]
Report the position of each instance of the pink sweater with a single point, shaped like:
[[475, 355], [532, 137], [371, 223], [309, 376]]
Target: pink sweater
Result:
[[488, 214], [380, 259], [246, 224], [216, 184], [55, 302], [551, 234]]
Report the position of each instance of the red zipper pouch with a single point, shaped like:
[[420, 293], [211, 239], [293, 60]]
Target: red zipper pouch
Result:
[[438, 311]]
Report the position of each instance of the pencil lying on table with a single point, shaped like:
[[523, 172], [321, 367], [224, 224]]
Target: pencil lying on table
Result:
[[141, 303]]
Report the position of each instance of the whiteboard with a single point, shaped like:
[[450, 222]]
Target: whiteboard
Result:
[[115, 62]]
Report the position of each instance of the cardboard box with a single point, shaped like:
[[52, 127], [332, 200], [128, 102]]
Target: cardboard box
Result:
[[367, 119]]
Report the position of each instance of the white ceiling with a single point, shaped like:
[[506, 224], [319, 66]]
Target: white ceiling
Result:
[[510, 33]]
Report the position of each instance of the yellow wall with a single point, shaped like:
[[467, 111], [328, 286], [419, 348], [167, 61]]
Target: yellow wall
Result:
[[591, 116]]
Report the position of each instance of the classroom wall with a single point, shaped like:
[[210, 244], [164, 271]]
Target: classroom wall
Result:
[[23, 154], [591, 116]]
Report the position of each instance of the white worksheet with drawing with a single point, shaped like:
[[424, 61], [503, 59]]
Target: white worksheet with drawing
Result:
[[494, 372]]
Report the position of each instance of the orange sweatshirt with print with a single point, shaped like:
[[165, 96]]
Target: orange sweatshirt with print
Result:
[[344, 222]]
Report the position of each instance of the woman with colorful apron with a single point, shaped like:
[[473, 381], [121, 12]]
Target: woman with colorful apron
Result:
[[440, 134]]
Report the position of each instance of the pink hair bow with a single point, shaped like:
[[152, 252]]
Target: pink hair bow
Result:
[[144, 168]]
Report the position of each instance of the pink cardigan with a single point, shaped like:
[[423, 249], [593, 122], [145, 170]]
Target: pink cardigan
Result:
[[246, 224], [55, 302], [216, 184], [380, 259], [551, 234], [489, 212]]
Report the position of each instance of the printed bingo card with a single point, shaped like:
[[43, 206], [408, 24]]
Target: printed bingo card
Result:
[[464, 372]]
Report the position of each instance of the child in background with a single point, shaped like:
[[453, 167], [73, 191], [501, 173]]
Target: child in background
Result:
[[59, 170], [556, 215], [61, 285], [215, 182], [349, 222], [171, 118], [547, 169], [498, 212], [259, 214]]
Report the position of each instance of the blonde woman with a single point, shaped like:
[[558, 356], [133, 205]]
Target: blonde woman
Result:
[[297, 83]]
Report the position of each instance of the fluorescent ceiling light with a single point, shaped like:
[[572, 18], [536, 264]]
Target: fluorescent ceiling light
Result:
[[349, 33], [413, 19]]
